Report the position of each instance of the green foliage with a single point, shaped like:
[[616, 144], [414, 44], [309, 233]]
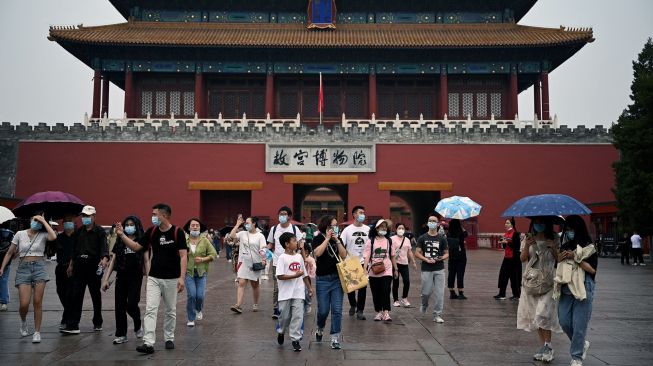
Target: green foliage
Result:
[[633, 137]]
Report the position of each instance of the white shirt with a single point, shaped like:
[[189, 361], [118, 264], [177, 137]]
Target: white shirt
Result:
[[278, 249], [23, 242], [636, 240], [354, 239], [289, 265]]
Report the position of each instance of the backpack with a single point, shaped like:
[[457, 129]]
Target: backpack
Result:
[[274, 230]]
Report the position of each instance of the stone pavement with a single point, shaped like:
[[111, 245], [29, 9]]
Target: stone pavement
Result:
[[478, 331]]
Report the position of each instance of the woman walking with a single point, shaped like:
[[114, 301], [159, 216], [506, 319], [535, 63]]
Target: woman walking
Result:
[[327, 248], [380, 264], [31, 274], [574, 312], [251, 260], [130, 267], [537, 309], [511, 265], [200, 253], [457, 259], [402, 248]]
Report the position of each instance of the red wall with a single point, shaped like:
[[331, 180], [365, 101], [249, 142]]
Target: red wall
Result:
[[124, 178]]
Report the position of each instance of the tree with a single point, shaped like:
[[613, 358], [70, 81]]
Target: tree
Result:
[[633, 137]]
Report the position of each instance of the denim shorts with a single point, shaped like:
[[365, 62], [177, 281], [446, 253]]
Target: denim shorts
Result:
[[31, 273]]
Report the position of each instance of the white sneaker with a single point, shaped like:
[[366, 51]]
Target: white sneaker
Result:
[[396, 304], [139, 333], [405, 303], [229, 261], [120, 340], [36, 338], [548, 354], [438, 319], [576, 363], [586, 347], [24, 332], [3, 307], [191, 324], [198, 316]]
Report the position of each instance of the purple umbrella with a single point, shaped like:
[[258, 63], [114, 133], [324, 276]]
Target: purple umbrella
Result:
[[55, 204]]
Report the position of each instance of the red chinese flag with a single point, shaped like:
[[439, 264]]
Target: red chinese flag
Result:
[[320, 101]]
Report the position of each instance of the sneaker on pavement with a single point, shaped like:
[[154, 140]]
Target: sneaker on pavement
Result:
[[538, 355], [405, 303], [360, 316], [396, 304], [170, 345], [386, 317], [70, 330], [276, 314], [255, 307], [199, 315], [3, 307], [191, 323], [237, 309], [97, 328], [36, 338], [280, 337], [438, 319], [62, 326], [462, 297], [352, 311], [120, 340], [453, 295], [499, 297], [548, 354], [586, 347], [576, 363], [296, 346], [378, 317], [24, 332], [335, 344], [145, 348], [318, 335], [139, 333], [514, 298]]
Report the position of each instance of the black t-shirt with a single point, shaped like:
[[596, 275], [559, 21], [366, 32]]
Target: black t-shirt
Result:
[[593, 260], [92, 243], [165, 251], [65, 246], [432, 246], [326, 263], [126, 259]]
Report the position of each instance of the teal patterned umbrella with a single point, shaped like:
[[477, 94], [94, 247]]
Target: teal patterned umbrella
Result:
[[457, 207]]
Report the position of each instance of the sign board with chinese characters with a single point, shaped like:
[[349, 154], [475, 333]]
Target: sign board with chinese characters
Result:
[[325, 158]]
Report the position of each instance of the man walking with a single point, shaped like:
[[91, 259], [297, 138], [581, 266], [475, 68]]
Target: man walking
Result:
[[432, 250], [354, 237]]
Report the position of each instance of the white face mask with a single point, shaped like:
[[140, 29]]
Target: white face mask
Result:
[[401, 232], [382, 232]]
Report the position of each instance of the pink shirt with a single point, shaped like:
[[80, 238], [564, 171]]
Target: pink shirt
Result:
[[309, 263], [401, 256], [380, 254]]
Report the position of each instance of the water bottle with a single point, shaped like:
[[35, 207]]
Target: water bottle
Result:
[[100, 270]]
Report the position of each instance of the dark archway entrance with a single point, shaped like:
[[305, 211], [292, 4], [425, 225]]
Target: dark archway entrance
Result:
[[421, 204], [310, 202]]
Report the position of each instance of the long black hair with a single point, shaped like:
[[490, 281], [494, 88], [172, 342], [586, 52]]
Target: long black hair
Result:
[[581, 235]]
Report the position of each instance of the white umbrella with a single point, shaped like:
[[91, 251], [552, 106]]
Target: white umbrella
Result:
[[6, 214]]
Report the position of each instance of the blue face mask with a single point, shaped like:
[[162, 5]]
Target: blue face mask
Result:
[[36, 226], [156, 221], [68, 225], [130, 230], [571, 235], [248, 227], [432, 225], [539, 228], [86, 221], [283, 219], [194, 233], [361, 218]]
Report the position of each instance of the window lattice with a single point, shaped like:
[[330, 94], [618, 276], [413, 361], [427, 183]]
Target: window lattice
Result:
[[175, 102], [495, 104], [161, 103], [427, 109], [288, 105], [384, 106], [230, 107], [258, 105], [468, 104], [146, 102], [412, 107], [481, 105], [454, 105], [354, 106], [189, 103]]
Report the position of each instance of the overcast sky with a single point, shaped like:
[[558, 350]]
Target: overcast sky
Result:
[[41, 82]]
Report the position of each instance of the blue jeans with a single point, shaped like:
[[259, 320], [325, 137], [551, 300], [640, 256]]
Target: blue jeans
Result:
[[329, 297], [195, 286], [4, 288], [574, 316], [229, 249]]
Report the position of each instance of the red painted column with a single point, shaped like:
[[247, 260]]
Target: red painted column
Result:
[[97, 79], [537, 99], [200, 105], [514, 107], [269, 95], [371, 97], [129, 93], [443, 106], [545, 95], [105, 96]]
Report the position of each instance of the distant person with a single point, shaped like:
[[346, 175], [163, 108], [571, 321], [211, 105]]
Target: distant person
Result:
[[638, 258], [403, 249], [251, 260], [65, 244], [457, 259], [200, 253], [6, 236], [511, 266], [31, 273], [625, 249], [432, 250], [354, 237]]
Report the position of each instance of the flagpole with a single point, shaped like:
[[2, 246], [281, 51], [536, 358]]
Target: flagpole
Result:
[[321, 99]]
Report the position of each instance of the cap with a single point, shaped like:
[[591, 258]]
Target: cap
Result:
[[381, 221], [88, 210]]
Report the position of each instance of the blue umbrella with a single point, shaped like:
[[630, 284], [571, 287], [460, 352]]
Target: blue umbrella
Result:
[[456, 207], [546, 205]]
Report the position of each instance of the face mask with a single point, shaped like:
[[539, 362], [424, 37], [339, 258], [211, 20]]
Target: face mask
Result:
[[539, 228], [382, 232], [86, 221], [130, 230], [432, 225], [335, 229], [194, 233], [361, 218], [571, 235], [283, 219], [68, 225], [156, 221], [400, 232], [441, 231], [248, 227], [36, 226]]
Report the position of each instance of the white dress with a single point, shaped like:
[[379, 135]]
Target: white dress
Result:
[[251, 249], [539, 311]]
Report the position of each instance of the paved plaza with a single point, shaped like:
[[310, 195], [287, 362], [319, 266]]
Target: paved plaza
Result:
[[477, 331]]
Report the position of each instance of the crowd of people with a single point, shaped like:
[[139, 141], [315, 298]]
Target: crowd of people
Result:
[[555, 289]]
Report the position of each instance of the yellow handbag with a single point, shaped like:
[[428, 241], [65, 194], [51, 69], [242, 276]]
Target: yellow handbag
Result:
[[351, 272]]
